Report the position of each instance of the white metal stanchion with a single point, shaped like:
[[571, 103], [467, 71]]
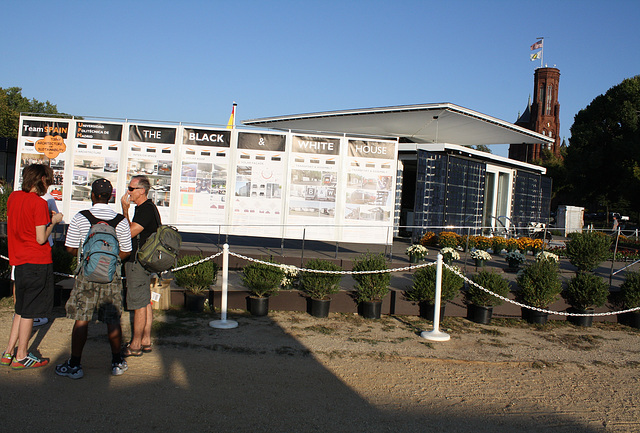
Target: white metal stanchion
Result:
[[435, 334], [223, 323]]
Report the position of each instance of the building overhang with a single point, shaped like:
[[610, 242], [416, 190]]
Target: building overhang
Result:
[[424, 123], [410, 150]]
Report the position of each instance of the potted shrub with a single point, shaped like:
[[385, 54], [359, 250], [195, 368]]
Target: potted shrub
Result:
[[5, 269], [630, 297], [5, 192], [262, 280], [539, 286], [449, 255], [587, 250], [423, 290], [416, 253], [196, 279], [479, 302], [370, 289], [584, 293], [63, 264], [319, 286], [480, 256], [515, 259], [483, 242]]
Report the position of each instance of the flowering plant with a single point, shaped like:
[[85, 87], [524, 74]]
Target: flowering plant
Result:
[[290, 277], [514, 256], [449, 253], [480, 255], [449, 239], [546, 255], [416, 250]]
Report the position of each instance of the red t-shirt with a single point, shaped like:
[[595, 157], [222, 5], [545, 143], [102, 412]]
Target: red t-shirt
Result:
[[25, 211]]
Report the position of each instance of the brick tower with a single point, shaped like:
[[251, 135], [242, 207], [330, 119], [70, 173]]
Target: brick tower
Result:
[[542, 116]]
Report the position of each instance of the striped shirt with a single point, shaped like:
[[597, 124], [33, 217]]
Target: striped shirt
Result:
[[79, 227]]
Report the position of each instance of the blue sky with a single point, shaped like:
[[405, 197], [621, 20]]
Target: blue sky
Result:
[[188, 61]]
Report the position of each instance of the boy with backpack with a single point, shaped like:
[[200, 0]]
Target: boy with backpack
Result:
[[101, 238]]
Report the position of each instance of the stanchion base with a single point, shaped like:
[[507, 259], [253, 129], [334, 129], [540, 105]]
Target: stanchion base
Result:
[[223, 324], [435, 335]]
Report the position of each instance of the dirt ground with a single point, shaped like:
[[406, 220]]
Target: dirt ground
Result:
[[290, 372]]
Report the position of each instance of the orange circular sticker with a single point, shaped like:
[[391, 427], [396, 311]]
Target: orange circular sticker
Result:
[[51, 146]]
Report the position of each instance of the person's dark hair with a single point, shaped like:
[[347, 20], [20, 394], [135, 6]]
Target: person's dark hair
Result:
[[102, 197], [39, 176], [143, 181]]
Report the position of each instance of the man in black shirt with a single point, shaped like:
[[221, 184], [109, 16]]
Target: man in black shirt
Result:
[[146, 221]]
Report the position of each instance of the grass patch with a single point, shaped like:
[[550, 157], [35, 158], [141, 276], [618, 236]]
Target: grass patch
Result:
[[320, 329]]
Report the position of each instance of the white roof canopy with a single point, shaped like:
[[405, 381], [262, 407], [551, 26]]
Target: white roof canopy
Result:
[[424, 123]]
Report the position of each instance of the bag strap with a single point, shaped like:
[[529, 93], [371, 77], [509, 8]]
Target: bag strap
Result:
[[93, 220]]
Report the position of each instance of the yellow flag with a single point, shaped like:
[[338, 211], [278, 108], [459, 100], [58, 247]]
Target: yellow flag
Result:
[[232, 119]]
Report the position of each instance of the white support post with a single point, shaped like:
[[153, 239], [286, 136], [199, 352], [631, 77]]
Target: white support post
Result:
[[435, 334], [223, 323]]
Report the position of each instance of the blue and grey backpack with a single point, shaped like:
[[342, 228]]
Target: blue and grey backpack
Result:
[[98, 259]]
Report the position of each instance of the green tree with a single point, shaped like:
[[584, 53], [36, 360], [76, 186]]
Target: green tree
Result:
[[603, 158], [12, 103]]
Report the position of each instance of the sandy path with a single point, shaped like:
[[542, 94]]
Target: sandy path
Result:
[[290, 372]]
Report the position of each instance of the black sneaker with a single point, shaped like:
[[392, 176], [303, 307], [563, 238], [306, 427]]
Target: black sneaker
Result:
[[69, 371]]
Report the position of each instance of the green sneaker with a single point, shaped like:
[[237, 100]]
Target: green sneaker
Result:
[[31, 361], [6, 359]]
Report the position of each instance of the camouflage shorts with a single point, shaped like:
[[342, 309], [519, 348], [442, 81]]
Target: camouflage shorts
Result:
[[95, 301]]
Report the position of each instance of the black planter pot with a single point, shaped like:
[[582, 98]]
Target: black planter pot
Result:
[[370, 309], [194, 303], [631, 318], [5, 288], [427, 310], [535, 317], [318, 307], [580, 320], [479, 314], [60, 295], [258, 306]]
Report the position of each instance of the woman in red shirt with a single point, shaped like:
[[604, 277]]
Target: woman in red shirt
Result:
[[28, 228]]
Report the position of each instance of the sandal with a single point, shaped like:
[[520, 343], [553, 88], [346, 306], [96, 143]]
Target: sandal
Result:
[[146, 348], [128, 351]]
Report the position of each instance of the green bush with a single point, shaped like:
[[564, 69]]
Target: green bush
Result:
[[320, 286], [262, 280], [587, 250], [540, 284], [63, 262], [586, 291], [371, 287], [197, 278], [424, 285], [4, 196], [491, 281], [630, 290]]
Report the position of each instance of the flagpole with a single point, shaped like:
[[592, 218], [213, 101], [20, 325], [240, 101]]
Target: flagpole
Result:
[[542, 52]]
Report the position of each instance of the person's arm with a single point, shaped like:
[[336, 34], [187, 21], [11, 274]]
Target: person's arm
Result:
[[43, 232]]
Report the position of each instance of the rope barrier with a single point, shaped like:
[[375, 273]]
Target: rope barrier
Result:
[[384, 271], [452, 269]]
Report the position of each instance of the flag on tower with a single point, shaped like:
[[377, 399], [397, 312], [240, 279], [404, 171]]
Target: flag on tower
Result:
[[537, 45], [232, 119], [535, 56]]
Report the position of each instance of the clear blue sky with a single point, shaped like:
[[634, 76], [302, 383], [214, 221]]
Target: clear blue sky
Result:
[[189, 60]]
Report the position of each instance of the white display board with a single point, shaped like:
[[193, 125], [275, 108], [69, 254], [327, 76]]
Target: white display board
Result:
[[259, 182], [313, 185], [229, 181], [204, 173]]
